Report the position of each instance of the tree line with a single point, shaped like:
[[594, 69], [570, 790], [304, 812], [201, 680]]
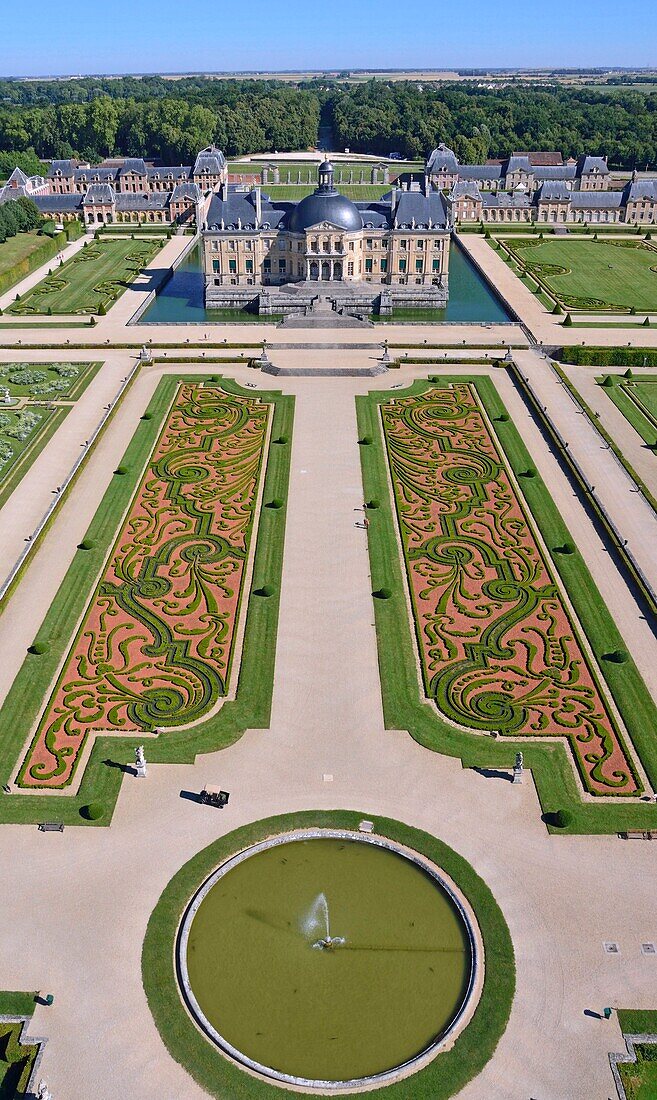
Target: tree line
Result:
[[18, 216], [172, 119]]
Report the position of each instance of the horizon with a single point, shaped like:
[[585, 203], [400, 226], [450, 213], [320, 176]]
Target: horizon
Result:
[[373, 36]]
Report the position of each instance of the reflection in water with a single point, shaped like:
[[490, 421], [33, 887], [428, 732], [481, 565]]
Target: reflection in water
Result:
[[180, 301]]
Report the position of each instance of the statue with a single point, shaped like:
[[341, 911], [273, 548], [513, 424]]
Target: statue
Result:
[[518, 768], [145, 355], [43, 1092], [140, 762]]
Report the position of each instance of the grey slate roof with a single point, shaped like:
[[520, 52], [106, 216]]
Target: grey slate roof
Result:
[[238, 211], [418, 211], [186, 191], [133, 164], [590, 165], [66, 167], [481, 172], [554, 191], [555, 172], [597, 200], [641, 190], [99, 194], [95, 175], [143, 200], [464, 189], [442, 159], [520, 164], [181, 172], [515, 200], [210, 160], [58, 204], [375, 215]]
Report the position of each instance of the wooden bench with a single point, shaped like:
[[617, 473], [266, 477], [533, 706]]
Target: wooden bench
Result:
[[638, 834], [51, 827]]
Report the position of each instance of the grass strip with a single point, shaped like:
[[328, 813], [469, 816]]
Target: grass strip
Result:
[[403, 705], [251, 707]]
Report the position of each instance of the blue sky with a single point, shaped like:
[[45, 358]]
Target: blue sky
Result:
[[167, 35]]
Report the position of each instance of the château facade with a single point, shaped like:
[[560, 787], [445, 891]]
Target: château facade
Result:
[[401, 240]]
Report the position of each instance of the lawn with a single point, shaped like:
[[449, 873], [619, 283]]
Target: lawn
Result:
[[250, 708], [637, 400], [18, 248], [91, 280], [16, 1060], [640, 1078], [357, 192], [199, 493], [445, 1076], [405, 706], [593, 275]]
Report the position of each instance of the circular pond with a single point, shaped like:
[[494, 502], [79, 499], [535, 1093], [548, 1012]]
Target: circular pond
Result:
[[327, 958]]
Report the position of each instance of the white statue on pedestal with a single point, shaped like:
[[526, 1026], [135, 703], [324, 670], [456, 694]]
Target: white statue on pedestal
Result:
[[43, 1092], [140, 762]]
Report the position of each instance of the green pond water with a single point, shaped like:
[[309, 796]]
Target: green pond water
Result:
[[180, 300], [367, 1005]]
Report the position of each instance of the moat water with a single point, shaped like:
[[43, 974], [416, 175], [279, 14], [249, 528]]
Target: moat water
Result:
[[328, 959], [180, 300]]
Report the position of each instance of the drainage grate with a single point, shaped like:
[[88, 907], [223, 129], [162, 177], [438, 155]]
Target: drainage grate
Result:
[[611, 948], [648, 949]]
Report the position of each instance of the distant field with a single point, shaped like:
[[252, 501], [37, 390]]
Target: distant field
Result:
[[594, 274], [18, 248], [94, 277]]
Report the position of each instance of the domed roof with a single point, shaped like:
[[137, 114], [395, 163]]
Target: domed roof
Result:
[[325, 206]]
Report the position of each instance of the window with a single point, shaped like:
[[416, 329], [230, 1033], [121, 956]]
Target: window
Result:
[[368, 267], [369, 243], [436, 265], [248, 245], [437, 243], [231, 245], [420, 245], [351, 246], [281, 267], [384, 266], [419, 265], [266, 266], [402, 265], [249, 267], [350, 268], [215, 266], [232, 267]]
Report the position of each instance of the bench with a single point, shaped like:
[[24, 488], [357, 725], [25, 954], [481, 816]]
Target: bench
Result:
[[51, 827], [638, 834]]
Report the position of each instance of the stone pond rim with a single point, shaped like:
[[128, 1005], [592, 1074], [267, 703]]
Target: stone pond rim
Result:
[[458, 1016]]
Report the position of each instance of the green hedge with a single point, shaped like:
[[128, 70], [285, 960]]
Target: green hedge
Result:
[[608, 357], [48, 248]]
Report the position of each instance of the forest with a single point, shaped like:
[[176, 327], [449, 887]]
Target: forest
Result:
[[171, 120]]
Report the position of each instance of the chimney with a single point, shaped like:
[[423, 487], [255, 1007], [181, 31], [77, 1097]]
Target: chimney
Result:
[[257, 203]]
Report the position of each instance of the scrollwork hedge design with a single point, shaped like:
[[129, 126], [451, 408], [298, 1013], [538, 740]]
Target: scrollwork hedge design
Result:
[[498, 647], [157, 640]]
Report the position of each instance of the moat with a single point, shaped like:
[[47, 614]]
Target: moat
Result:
[[471, 299]]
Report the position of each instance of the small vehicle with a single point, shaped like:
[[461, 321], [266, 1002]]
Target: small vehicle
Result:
[[213, 796], [395, 156]]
